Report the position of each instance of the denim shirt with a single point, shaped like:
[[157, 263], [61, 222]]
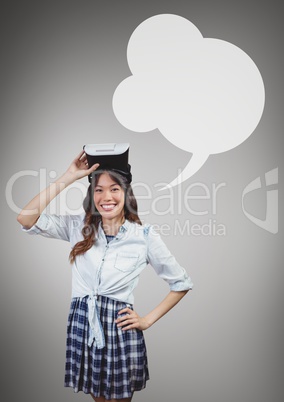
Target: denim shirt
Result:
[[112, 269]]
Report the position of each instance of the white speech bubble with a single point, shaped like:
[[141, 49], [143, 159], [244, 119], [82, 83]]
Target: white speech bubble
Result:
[[205, 95]]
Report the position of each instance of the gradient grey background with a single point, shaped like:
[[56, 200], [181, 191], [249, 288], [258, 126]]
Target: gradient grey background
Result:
[[61, 62]]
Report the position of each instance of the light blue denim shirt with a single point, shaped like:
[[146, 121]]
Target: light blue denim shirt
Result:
[[112, 269]]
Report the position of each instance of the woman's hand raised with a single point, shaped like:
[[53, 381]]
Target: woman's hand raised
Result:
[[79, 167]]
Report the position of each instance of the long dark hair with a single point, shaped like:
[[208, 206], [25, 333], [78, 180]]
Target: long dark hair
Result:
[[93, 218]]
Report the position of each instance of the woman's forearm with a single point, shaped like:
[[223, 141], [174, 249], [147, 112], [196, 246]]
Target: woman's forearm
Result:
[[166, 305], [30, 213], [132, 320], [77, 170]]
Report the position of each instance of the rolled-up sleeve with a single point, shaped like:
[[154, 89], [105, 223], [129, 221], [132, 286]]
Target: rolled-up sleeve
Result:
[[52, 226], [165, 264]]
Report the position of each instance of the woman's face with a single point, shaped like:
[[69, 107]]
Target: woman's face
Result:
[[109, 198]]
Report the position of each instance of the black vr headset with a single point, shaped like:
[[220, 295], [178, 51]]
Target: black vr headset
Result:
[[110, 157]]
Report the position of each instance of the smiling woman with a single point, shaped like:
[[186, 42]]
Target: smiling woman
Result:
[[109, 201], [106, 354]]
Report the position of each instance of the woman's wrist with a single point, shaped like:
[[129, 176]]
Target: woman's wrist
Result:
[[66, 179], [148, 321]]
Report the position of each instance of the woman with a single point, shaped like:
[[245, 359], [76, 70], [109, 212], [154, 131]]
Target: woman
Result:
[[106, 354]]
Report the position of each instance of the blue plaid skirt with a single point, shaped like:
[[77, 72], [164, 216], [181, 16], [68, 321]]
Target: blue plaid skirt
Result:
[[115, 371]]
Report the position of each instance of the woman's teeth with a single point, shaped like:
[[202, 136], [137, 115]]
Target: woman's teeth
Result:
[[108, 207]]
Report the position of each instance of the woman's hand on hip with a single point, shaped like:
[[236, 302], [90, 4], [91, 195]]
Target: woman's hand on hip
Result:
[[130, 319]]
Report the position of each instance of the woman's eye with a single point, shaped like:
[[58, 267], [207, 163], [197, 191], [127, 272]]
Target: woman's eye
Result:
[[98, 190], [115, 189]]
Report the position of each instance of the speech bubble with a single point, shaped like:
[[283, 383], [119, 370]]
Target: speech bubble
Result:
[[204, 95]]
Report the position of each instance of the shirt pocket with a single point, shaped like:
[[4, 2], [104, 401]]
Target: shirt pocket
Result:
[[126, 262]]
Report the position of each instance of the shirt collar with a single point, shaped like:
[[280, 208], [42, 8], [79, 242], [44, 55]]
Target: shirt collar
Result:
[[123, 228]]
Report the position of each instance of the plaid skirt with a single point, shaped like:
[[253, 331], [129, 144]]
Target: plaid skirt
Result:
[[115, 371]]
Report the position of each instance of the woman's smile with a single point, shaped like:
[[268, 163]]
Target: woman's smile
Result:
[[109, 198], [108, 207]]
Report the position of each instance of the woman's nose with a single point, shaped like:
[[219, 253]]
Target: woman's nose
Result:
[[107, 195]]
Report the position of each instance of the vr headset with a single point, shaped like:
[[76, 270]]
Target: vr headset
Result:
[[110, 157]]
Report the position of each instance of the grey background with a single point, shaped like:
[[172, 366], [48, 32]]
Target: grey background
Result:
[[61, 62]]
